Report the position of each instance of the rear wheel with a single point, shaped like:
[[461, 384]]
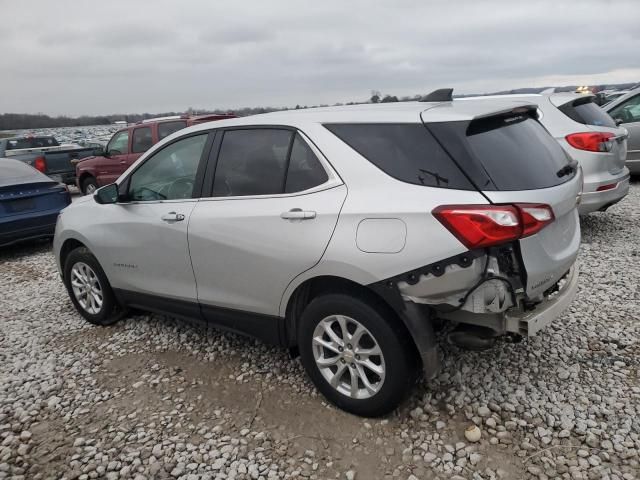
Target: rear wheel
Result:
[[358, 357], [89, 186], [89, 288]]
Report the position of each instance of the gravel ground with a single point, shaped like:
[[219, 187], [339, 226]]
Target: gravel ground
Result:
[[152, 397]]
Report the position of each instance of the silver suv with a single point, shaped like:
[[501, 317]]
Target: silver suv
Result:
[[590, 136], [340, 233]]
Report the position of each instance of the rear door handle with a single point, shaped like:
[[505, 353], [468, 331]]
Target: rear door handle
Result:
[[122, 162], [172, 217], [298, 214]]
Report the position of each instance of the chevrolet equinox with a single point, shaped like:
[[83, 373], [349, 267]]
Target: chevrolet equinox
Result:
[[342, 233]]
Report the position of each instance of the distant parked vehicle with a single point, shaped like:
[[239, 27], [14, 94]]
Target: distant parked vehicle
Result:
[[590, 136], [126, 146], [29, 202], [625, 110], [46, 155]]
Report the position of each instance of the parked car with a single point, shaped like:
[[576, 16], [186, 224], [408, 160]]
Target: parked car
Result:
[[591, 137], [45, 154], [29, 202], [340, 233], [626, 112], [126, 146]]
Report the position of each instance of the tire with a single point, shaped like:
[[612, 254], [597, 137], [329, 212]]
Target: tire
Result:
[[397, 360], [89, 186], [83, 268]]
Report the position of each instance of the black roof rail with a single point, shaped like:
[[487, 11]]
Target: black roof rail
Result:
[[440, 95]]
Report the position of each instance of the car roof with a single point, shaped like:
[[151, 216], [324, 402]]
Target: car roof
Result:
[[393, 112]]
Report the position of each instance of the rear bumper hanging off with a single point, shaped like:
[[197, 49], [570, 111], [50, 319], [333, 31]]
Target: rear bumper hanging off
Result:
[[525, 322]]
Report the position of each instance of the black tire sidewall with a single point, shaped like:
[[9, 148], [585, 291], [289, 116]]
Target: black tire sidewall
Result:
[[397, 352], [86, 182], [108, 313]]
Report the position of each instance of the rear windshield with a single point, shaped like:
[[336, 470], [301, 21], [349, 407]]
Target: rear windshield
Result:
[[588, 113], [517, 153], [407, 152], [31, 142]]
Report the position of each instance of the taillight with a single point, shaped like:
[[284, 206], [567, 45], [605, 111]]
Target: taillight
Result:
[[591, 141], [40, 164], [534, 217], [478, 226], [603, 188]]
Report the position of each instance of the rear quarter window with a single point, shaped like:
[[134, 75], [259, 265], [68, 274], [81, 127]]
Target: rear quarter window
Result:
[[406, 152], [167, 128], [585, 111]]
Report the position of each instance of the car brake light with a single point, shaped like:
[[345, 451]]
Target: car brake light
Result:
[[40, 164], [479, 226], [591, 141], [609, 186], [534, 218]]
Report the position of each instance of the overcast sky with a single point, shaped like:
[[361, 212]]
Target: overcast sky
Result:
[[100, 57]]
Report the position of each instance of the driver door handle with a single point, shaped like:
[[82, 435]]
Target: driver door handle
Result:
[[172, 217], [298, 214]]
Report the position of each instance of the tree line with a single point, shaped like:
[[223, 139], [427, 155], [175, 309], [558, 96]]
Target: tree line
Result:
[[19, 121]]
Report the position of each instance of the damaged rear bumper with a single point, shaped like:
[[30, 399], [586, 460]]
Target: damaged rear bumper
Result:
[[521, 321]]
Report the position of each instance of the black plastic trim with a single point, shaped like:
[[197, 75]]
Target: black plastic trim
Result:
[[268, 328]]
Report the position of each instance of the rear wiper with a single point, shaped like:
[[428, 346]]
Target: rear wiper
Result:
[[568, 169]]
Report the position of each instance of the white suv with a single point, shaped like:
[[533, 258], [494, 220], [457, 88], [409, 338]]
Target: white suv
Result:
[[341, 233]]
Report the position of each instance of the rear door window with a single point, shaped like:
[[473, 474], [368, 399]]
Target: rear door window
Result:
[[584, 111], [406, 152], [167, 128], [141, 140], [252, 162]]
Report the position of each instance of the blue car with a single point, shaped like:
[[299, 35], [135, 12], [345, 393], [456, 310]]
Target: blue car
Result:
[[29, 202]]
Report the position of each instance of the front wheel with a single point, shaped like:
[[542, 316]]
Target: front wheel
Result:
[[89, 288], [89, 186], [356, 354]]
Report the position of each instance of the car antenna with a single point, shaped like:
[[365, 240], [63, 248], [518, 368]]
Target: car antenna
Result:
[[440, 95]]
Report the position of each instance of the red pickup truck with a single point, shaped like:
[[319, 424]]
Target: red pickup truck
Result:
[[127, 145]]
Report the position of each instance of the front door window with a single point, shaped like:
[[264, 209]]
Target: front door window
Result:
[[170, 173], [119, 144]]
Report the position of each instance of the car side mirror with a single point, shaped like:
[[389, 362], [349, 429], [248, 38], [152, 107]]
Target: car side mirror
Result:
[[114, 152], [99, 152], [618, 121], [107, 194]]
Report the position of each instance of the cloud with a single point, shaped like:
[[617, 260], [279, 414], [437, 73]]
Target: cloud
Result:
[[120, 56]]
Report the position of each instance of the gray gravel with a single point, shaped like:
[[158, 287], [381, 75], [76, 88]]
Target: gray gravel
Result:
[[153, 397]]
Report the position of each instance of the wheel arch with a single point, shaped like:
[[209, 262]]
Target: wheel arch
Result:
[[413, 320], [67, 247]]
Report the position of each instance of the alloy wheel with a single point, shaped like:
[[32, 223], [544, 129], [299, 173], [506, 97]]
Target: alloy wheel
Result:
[[86, 288], [348, 357]]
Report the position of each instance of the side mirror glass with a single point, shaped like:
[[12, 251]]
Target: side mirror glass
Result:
[[107, 194], [114, 152]]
